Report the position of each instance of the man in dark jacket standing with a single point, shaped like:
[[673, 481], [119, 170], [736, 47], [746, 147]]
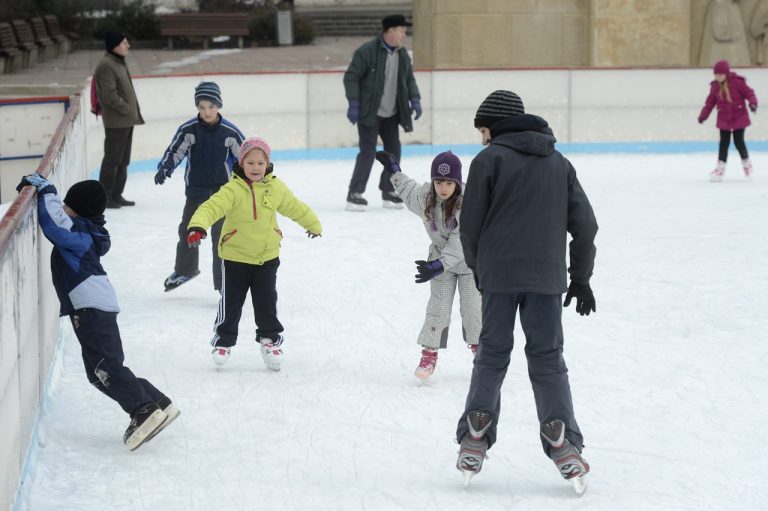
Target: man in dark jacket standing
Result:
[[522, 198], [121, 113], [382, 94]]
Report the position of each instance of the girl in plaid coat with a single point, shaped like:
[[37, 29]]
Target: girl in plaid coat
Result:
[[438, 203]]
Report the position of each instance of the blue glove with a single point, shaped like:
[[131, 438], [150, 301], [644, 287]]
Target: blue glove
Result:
[[353, 112], [161, 175], [388, 160], [36, 180], [428, 270], [416, 107]]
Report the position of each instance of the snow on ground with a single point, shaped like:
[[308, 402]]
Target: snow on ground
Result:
[[668, 377]]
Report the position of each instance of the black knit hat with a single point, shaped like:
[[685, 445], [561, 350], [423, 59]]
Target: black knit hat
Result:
[[87, 198], [498, 105], [208, 91], [394, 20], [112, 39]]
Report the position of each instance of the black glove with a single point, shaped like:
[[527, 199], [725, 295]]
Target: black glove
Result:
[[428, 270], [753, 107], [585, 300], [388, 160], [161, 175], [313, 235], [270, 169]]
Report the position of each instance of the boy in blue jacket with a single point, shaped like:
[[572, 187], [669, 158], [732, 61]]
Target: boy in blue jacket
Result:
[[76, 230], [211, 145]]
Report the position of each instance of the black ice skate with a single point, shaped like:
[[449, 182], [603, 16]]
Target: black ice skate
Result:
[[391, 200], [356, 201], [566, 456], [171, 412], [474, 445], [144, 421], [174, 280]]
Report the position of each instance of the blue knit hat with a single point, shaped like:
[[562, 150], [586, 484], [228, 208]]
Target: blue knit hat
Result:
[[208, 91]]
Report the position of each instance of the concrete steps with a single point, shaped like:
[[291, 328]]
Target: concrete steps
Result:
[[352, 21]]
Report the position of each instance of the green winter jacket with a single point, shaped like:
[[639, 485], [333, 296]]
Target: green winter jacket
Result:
[[364, 82], [114, 89], [250, 233]]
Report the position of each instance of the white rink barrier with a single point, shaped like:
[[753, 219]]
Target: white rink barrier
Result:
[[307, 110], [29, 308]]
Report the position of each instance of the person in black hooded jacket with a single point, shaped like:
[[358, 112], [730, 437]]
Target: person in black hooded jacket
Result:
[[76, 230], [522, 199]]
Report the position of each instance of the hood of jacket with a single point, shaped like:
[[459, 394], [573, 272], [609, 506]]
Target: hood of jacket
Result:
[[101, 239], [524, 133]]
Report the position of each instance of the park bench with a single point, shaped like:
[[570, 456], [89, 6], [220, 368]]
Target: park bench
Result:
[[58, 35], [14, 57], [42, 38], [205, 25], [25, 36]]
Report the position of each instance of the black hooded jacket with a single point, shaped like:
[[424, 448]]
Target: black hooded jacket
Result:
[[521, 199]]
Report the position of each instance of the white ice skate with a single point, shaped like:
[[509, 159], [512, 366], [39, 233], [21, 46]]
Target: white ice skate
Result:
[[717, 175], [746, 164], [473, 448], [426, 364], [220, 355], [566, 456], [271, 352]]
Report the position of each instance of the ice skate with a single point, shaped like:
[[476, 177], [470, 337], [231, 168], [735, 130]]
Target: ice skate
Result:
[[144, 421], [271, 352], [390, 200], [717, 175], [566, 456], [474, 445], [171, 412], [356, 202], [426, 364], [174, 280], [220, 355], [746, 164]]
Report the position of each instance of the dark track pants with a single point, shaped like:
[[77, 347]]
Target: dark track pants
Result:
[[540, 318], [117, 155], [389, 129], [237, 279], [187, 258], [103, 357]]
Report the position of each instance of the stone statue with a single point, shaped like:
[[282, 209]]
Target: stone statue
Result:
[[759, 27], [747, 8], [724, 35]]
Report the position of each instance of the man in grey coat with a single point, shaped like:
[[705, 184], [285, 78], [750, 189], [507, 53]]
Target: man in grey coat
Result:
[[521, 201], [121, 112], [382, 94]]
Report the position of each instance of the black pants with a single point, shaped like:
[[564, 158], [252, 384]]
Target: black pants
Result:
[[389, 130], [117, 156], [187, 258], [738, 141], [238, 278], [103, 357], [540, 317]]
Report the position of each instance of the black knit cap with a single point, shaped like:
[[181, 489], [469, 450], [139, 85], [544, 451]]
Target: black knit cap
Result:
[[87, 198], [498, 105], [394, 20], [112, 39]]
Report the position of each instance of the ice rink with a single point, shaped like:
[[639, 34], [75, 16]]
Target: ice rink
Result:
[[668, 377]]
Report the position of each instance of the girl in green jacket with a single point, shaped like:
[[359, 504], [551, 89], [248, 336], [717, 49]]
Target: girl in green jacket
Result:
[[249, 248]]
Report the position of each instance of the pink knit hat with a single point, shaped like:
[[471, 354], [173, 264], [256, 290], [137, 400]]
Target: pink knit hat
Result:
[[249, 144], [722, 67]]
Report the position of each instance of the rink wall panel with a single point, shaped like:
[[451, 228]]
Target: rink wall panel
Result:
[[29, 322], [307, 110]]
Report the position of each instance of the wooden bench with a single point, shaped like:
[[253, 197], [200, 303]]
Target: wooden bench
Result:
[[14, 57], [42, 38], [205, 25], [26, 38], [54, 29]]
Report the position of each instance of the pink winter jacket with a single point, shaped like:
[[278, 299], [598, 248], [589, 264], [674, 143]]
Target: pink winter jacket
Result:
[[730, 115]]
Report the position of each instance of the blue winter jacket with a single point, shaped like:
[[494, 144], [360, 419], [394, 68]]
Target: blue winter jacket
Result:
[[210, 149], [78, 244]]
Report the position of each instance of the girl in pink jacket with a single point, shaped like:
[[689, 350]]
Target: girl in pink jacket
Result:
[[729, 91]]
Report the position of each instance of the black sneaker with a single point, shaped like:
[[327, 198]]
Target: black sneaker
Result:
[[391, 200], [123, 201], [356, 202], [144, 421], [171, 413]]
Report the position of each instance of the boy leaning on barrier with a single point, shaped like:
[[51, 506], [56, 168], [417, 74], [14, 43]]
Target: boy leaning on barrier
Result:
[[76, 230]]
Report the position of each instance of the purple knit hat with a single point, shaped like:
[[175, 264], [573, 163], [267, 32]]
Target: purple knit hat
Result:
[[722, 67], [249, 144], [446, 166]]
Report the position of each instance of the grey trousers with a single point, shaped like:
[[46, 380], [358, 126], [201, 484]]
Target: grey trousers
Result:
[[434, 333], [540, 318]]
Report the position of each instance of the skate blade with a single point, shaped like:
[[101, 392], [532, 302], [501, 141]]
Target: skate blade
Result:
[[392, 205], [171, 414], [579, 485], [355, 207], [140, 436], [468, 475]]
